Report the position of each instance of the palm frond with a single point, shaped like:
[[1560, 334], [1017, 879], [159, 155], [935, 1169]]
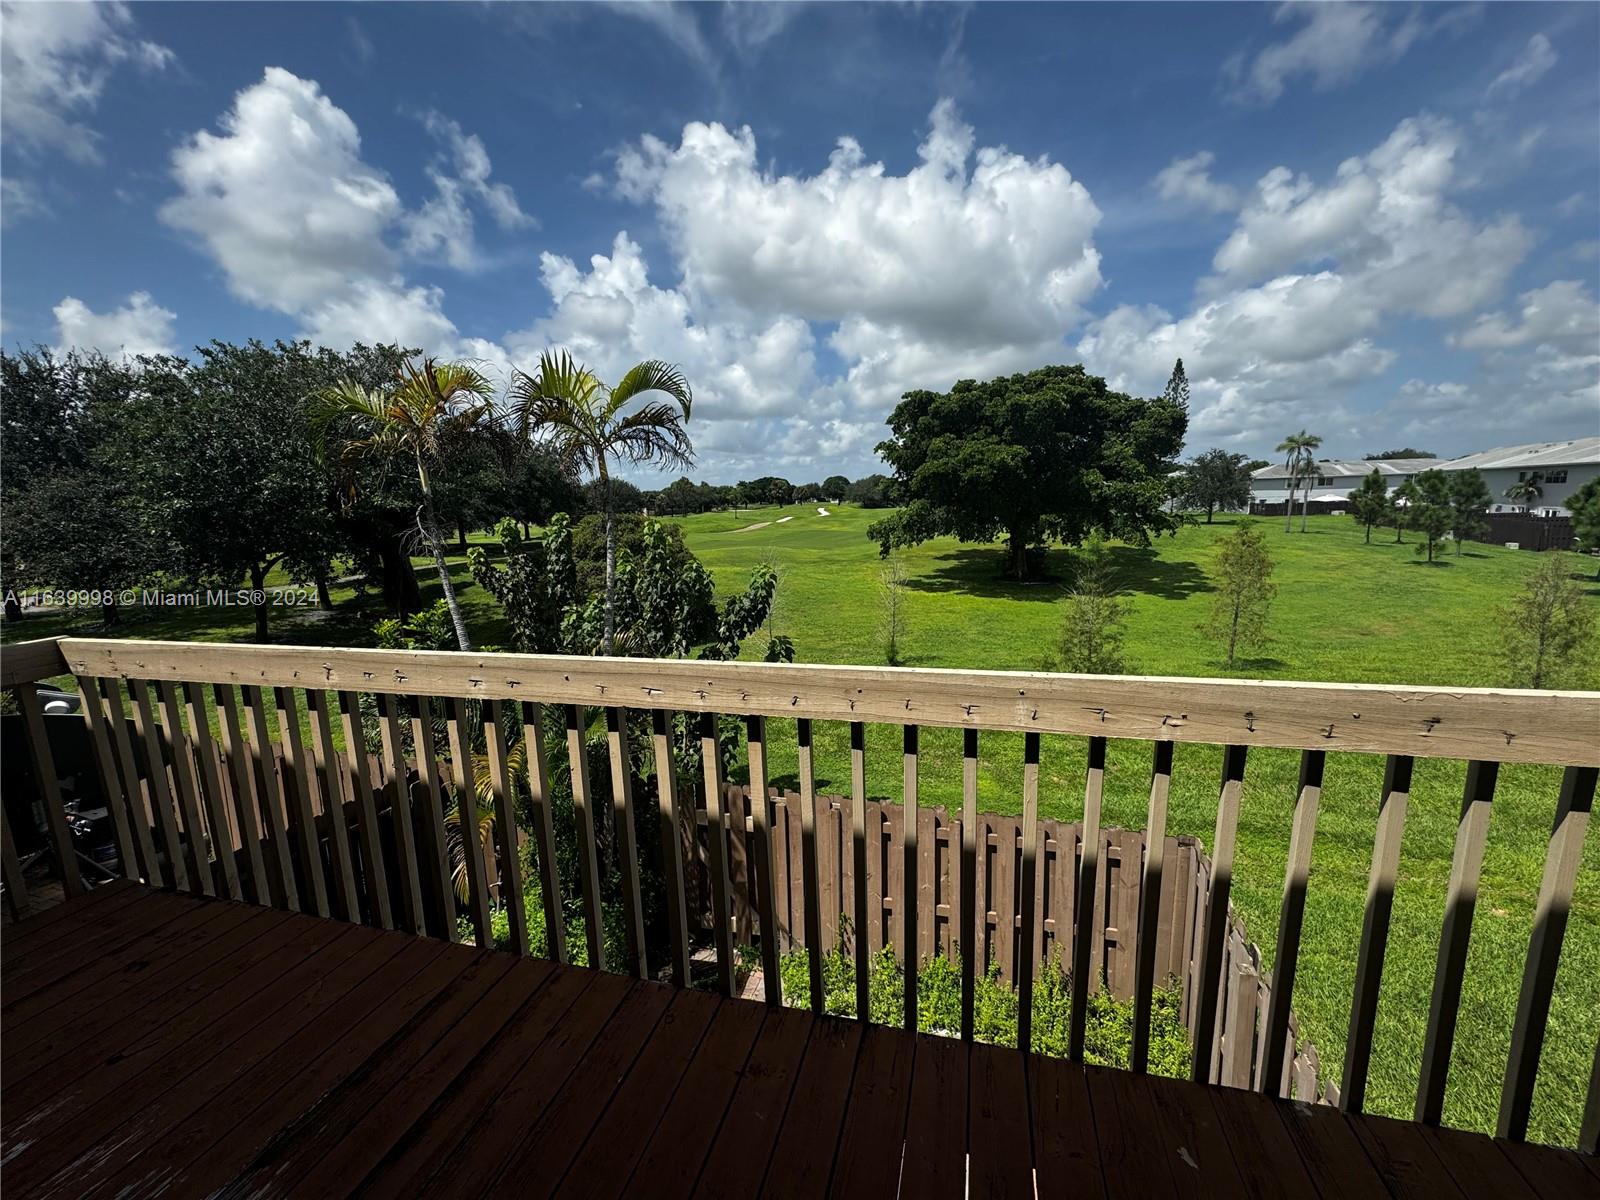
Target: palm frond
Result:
[[652, 434], [653, 375], [559, 382]]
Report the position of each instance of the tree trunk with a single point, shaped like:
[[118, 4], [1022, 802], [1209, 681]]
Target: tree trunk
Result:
[[1305, 510], [461, 536], [258, 584], [611, 562], [1369, 535], [1210, 508], [108, 613], [1288, 511], [431, 533], [1017, 538], [401, 594], [324, 600]]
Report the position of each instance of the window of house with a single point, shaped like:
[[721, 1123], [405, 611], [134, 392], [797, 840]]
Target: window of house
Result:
[[1555, 476]]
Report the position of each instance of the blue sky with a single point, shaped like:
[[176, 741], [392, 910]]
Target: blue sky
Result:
[[1378, 222]]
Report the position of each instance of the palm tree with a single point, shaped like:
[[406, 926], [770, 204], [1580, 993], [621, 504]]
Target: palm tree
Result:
[[1295, 450], [415, 416], [1526, 490], [1308, 467], [585, 423]]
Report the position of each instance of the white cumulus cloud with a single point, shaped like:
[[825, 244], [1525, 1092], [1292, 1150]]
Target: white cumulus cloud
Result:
[[140, 326], [1530, 65], [1188, 181]]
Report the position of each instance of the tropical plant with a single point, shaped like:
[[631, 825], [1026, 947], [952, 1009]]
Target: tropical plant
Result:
[[1369, 503], [416, 415], [1527, 489], [1292, 448], [1585, 506], [590, 426]]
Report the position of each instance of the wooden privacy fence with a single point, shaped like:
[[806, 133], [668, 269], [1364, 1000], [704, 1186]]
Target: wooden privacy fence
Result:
[[1243, 1002], [161, 818]]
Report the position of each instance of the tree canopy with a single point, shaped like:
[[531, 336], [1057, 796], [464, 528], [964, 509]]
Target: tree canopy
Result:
[[1403, 452], [1051, 454], [1215, 479]]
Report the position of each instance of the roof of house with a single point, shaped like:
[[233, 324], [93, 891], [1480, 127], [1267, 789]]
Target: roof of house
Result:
[[1335, 467], [1573, 452]]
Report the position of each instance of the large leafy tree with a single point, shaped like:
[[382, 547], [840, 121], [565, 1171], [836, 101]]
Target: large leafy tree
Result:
[[591, 427], [1369, 503], [1216, 479], [227, 472], [417, 417], [1469, 500], [1585, 507], [1052, 454]]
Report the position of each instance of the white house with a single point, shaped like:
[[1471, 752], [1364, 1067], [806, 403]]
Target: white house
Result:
[[1562, 468]]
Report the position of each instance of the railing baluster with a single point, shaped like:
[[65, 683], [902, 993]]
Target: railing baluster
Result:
[[302, 787], [1465, 868], [194, 825], [627, 838], [1291, 915], [437, 853], [756, 743], [1375, 930], [358, 778], [274, 809], [466, 785], [44, 775], [205, 753], [412, 916], [909, 897], [1589, 1129], [11, 870], [1155, 856], [858, 831], [1084, 905], [106, 771], [235, 752], [544, 837], [811, 881], [1561, 863], [969, 879], [505, 822], [583, 812], [1030, 860], [139, 809], [155, 762], [717, 852], [1216, 912], [333, 802]]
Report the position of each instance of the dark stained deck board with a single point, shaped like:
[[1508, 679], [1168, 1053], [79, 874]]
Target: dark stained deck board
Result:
[[241, 1051], [999, 1140], [617, 1141], [673, 1155], [870, 1151], [936, 1125]]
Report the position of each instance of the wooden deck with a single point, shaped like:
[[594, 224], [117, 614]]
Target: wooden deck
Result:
[[157, 1044]]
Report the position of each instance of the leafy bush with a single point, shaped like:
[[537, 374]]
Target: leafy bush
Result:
[[1108, 1038]]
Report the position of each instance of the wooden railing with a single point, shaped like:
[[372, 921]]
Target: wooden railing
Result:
[[164, 827]]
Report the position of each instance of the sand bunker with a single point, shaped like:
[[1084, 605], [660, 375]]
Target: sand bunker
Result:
[[757, 525], [822, 512]]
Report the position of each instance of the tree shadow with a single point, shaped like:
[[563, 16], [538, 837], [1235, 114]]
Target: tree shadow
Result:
[[1258, 666], [1137, 570], [791, 783], [1437, 562]]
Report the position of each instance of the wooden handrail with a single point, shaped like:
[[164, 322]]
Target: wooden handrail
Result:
[[316, 839], [1491, 724]]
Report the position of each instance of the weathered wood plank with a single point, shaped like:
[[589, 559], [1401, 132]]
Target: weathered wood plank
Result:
[[29, 662], [331, 777], [1083, 939], [1375, 931], [505, 826], [811, 881], [858, 839], [210, 781], [155, 763], [358, 779], [766, 909], [466, 788], [969, 880], [912, 930], [583, 814], [1504, 724], [544, 834], [1152, 886], [1544, 948], [237, 754], [435, 853], [1216, 911], [1460, 899], [274, 806], [627, 848], [139, 806], [1291, 916], [398, 792], [1027, 957], [188, 792], [90, 703]]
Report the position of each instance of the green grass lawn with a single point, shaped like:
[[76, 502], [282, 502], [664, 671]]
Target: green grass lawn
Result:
[[1345, 611]]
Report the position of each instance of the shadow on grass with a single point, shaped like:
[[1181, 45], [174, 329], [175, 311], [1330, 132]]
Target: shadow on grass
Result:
[[1257, 666], [1137, 570], [1438, 562]]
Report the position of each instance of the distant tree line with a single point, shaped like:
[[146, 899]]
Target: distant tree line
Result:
[[684, 497]]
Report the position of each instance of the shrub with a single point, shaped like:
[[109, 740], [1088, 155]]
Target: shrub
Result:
[[1108, 1038]]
